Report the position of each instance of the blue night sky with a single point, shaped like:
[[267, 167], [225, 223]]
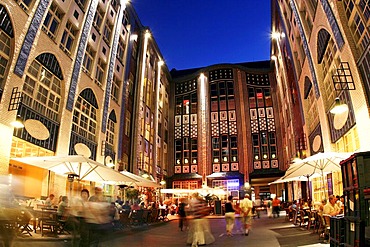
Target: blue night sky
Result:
[[198, 33]]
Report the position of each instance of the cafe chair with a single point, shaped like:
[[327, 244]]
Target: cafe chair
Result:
[[23, 221]]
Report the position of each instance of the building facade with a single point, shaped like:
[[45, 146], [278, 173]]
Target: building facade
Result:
[[323, 48], [226, 128], [72, 71]]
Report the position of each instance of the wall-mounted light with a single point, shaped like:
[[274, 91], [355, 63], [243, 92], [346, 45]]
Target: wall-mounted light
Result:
[[256, 157], [186, 161], [18, 123], [110, 164], [162, 182], [265, 156], [215, 160], [194, 161], [273, 57], [339, 107], [133, 37], [273, 156], [225, 158]]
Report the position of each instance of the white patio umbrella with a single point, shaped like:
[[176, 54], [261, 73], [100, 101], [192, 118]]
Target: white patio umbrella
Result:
[[318, 164], [80, 166], [140, 181]]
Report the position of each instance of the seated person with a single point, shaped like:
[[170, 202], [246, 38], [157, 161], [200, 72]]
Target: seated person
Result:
[[331, 208], [62, 211], [49, 202]]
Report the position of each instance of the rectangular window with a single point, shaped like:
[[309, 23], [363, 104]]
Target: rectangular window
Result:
[[121, 50], [99, 74], [68, 38], [88, 59], [52, 21], [107, 34], [98, 18]]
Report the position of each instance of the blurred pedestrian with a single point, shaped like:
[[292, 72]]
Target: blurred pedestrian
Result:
[[275, 207], [246, 206], [199, 229], [229, 215], [181, 213]]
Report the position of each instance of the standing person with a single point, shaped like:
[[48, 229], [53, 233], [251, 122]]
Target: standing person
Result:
[[246, 207], [229, 215], [276, 207], [268, 207], [98, 196], [181, 213]]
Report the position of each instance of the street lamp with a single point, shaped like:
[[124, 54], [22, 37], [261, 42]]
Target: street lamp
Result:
[[339, 107], [18, 123]]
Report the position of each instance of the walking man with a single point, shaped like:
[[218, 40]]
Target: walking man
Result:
[[246, 207]]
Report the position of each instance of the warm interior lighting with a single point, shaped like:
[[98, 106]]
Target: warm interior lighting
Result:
[[339, 107], [265, 156], [256, 157], [234, 158], [162, 182], [178, 162], [273, 156], [194, 161], [225, 158], [215, 160], [186, 161]]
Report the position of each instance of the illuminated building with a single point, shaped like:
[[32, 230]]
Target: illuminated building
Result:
[[322, 58], [226, 127], [71, 72]]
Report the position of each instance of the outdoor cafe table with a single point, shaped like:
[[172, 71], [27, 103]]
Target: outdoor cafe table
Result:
[[39, 214]]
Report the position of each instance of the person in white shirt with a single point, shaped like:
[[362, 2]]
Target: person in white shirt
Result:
[[246, 207]]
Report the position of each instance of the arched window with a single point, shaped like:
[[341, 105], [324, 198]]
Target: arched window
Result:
[[6, 35], [84, 115], [42, 86], [323, 38], [112, 120]]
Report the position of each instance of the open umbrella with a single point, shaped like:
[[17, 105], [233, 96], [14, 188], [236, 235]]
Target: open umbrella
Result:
[[140, 181], [320, 163], [78, 166]]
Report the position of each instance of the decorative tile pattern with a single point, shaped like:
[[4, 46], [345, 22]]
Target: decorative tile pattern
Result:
[[232, 116], [225, 167], [186, 129], [223, 115], [305, 47], [265, 164], [234, 167], [224, 127], [254, 126], [263, 124], [333, 23], [253, 113], [177, 169], [232, 128], [271, 124], [194, 169], [274, 164], [193, 131], [177, 132], [269, 112], [185, 169], [193, 118], [112, 61], [80, 53], [30, 38], [257, 165], [216, 167], [177, 120], [215, 130], [214, 117], [261, 112]]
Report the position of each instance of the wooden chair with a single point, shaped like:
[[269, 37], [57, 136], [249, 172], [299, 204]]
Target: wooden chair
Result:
[[124, 218], [324, 230], [23, 222], [303, 217], [311, 220], [49, 222]]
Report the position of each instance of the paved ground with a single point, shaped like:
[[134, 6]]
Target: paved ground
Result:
[[265, 232]]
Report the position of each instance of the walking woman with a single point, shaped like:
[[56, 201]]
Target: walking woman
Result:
[[229, 215]]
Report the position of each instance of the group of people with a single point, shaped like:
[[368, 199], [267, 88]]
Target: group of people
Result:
[[193, 212]]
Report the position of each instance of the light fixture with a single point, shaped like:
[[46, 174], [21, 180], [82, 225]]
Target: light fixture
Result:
[[18, 123], [162, 182], [160, 63], [339, 107], [247, 185], [273, 156], [194, 161], [225, 158], [110, 164], [186, 161], [145, 175], [215, 160], [256, 157], [178, 162], [265, 156], [234, 158], [273, 57], [147, 34]]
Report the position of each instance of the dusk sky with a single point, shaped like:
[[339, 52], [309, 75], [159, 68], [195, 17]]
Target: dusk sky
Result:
[[198, 33]]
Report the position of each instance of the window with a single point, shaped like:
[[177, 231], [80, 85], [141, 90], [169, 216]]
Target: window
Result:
[[88, 59], [128, 123], [52, 21], [121, 50], [25, 4], [99, 74], [84, 118], [4, 55], [107, 32], [68, 38], [81, 3], [116, 84], [41, 91], [111, 129], [98, 18]]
